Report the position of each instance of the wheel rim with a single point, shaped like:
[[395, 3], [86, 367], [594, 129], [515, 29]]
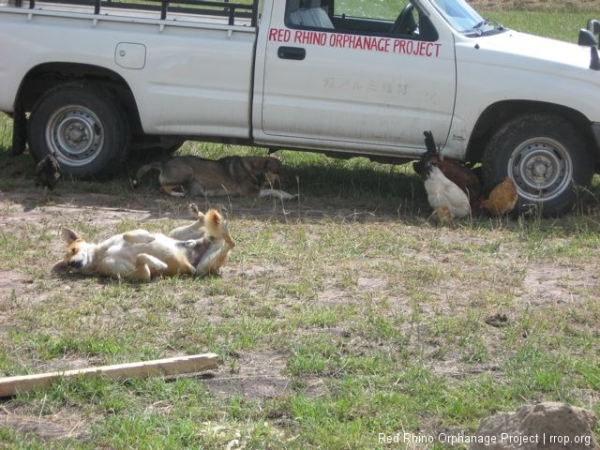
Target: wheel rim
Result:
[[76, 134], [541, 168]]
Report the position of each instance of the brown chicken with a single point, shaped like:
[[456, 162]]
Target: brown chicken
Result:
[[502, 199], [455, 171]]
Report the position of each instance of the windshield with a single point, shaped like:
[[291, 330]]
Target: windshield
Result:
[[460, 16]]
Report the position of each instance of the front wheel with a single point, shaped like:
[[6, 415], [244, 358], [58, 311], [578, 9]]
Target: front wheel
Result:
[[83, 126], [546, 156]]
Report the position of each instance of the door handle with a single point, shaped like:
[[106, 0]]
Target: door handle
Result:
[[295, 53]]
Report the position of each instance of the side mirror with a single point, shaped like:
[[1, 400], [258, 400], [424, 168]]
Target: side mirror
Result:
[[587, 39], [594, 26]]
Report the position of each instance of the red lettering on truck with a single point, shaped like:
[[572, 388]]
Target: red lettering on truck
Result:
[[357, 42]]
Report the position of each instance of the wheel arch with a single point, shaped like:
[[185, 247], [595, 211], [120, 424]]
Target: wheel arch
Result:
[[46, 76], [496, 115]]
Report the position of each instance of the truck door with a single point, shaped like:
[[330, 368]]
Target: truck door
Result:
[[345, 79]]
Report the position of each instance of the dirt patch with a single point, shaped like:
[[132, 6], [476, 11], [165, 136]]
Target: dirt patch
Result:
[[253, 376], [552, 284], [65, 424]]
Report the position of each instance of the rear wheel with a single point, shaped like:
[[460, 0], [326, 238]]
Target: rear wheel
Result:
[[84, 126], [546, 156]]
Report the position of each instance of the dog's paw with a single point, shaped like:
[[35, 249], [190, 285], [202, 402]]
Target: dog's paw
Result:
[[230, 242], [194, 210], [286, 196], [151, 262], [138, 237], [281, 195]]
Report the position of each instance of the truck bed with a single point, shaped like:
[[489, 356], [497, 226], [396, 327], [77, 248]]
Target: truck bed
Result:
[[223, 13]]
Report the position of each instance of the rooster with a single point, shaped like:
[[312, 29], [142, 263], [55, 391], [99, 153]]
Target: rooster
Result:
[[47, 171], [502, 199], [445, 197], [456, 172]]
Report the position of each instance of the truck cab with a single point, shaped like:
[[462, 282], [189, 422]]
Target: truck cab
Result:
[[330, 77]]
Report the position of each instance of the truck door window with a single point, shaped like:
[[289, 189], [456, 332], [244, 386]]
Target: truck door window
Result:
[[391, 18], [308, 14], [396, 18], [373, 9]]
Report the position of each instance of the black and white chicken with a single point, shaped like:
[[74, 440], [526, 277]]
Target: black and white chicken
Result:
[[47, 171], [454, 170], [445, 197]]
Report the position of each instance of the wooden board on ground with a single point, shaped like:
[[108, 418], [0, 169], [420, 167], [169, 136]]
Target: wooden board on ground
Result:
[[9, 386]]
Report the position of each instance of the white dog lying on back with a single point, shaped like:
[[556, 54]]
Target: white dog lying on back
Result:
[[194, 230], [141, 255]]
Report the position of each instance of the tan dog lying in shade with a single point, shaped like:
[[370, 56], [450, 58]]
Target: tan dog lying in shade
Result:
[[249, 176], [141, 255]]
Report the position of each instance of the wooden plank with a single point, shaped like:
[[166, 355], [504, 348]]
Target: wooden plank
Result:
[[9, 386]]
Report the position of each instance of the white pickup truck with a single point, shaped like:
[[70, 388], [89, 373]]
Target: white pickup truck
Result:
[[93, 79]]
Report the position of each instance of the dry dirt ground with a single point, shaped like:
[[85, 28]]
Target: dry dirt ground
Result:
[[260, 375]]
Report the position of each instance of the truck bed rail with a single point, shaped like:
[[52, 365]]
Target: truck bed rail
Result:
[[199, 7]]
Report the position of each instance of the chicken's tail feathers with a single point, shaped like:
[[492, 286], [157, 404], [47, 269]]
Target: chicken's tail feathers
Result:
[[420, 165], [430, 142]]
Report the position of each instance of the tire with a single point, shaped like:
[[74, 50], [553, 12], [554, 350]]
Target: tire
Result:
[[546, 156], [19, 135], [85, 127]]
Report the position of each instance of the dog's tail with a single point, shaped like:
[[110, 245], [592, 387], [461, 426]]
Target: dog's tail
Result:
[[216, 226], [156, 165]]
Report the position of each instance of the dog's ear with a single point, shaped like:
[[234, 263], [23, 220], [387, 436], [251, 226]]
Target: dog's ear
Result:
[[273, 165], [69, 235], [213, 222]]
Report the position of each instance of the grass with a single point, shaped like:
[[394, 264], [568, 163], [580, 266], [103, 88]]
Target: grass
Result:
[[338, 318], [382, 335], [554, 24]]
